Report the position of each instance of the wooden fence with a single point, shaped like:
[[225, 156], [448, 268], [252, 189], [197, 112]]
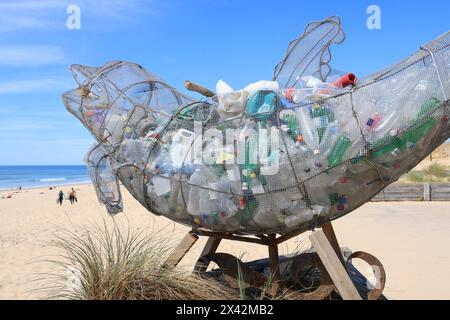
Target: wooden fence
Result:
[[415, 192]]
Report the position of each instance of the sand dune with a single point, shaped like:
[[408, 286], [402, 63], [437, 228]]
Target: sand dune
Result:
[[411, 239]]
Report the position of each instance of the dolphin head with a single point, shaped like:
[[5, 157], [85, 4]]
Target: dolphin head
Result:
[[119, 100], [98, 101]]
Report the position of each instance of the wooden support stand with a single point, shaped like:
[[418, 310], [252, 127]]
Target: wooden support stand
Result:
[[211, 246], [180, 251], [323, 240], [334, 267]]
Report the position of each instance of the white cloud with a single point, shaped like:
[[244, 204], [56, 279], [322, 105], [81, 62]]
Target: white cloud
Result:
[[31, 55], [35, 85]]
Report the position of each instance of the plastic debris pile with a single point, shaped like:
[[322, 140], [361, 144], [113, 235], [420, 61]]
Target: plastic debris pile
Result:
[[287, 154]]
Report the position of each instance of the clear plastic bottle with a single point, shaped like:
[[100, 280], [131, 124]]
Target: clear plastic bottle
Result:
[[328, 139], [193, 206], [308, 130], [266, 215]]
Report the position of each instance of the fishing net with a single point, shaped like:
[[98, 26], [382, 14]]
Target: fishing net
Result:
[[288, 154]]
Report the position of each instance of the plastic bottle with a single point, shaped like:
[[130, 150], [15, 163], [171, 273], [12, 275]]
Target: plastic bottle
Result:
[[256, 185], [425, 88], [266, 215], [288, 94], [227, 202], [329, 138], [233, 103], [428, 107], [345, 81], [385, 145], [338, 151], [301, 95], [182, 147], [135, 151], [309, 132], [162, 184], [175, 192], [193, 206], [322, 115], [292, 125], [416, 133], [113, 125], [310, 82], [262, 104], [296, 219]]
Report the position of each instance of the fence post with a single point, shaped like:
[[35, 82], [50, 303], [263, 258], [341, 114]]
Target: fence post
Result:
[[426, 192]]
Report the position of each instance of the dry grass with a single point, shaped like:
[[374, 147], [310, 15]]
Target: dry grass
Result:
[[104, 264], [433, 173], [436, 170]]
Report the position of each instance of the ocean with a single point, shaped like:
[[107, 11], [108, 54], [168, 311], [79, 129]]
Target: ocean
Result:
[[12, 177]]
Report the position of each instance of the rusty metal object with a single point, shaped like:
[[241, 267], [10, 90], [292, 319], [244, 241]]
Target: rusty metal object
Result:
[[235, 270], [375, 293], [296, 265]]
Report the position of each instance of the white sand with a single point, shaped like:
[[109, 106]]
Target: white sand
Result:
[[411, 239]]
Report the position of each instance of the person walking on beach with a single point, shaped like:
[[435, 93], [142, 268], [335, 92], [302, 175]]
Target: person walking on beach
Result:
[[73, 196], [60, 197]]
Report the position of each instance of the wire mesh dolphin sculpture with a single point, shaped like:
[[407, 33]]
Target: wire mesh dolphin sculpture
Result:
[[281, 155]]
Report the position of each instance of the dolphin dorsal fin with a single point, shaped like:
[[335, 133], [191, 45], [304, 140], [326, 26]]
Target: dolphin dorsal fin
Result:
[[310, 53]]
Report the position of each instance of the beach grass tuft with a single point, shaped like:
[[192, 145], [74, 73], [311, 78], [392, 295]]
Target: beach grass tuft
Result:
[[104, 263]]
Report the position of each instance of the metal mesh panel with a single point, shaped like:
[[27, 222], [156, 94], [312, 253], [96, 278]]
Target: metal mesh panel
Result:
[[263, 159]]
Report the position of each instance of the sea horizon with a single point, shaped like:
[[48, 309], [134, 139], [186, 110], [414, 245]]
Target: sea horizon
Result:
[[13, 177]]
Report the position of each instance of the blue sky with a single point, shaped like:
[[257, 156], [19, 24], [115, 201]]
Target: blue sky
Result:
[[204, 40]]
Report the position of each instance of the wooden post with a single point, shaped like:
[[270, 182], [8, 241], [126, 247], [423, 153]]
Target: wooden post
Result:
[[210, 247], [328, 230], [426, 192], [274, 265], [180, 251], [334, 267]]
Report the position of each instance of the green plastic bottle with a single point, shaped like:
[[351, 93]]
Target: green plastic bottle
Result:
[[417, 132], [428, 107], [246, 214], [338, 151], [385, 145], [323, 112], [292, 124]]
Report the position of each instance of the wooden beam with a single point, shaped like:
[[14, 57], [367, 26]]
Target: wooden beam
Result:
[[228, 236], [289, 235], [328, 230], [334, 267], [426, 192], [192, 86], [274, 265], [210, 247], [180, 251]]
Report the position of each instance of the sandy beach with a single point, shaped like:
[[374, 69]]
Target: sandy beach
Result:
[[411, 239]]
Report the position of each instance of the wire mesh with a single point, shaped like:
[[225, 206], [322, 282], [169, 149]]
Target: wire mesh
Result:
[[274, 157]]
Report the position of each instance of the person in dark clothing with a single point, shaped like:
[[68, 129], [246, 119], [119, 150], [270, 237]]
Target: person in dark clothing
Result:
[[60, 197], [73, 196]]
